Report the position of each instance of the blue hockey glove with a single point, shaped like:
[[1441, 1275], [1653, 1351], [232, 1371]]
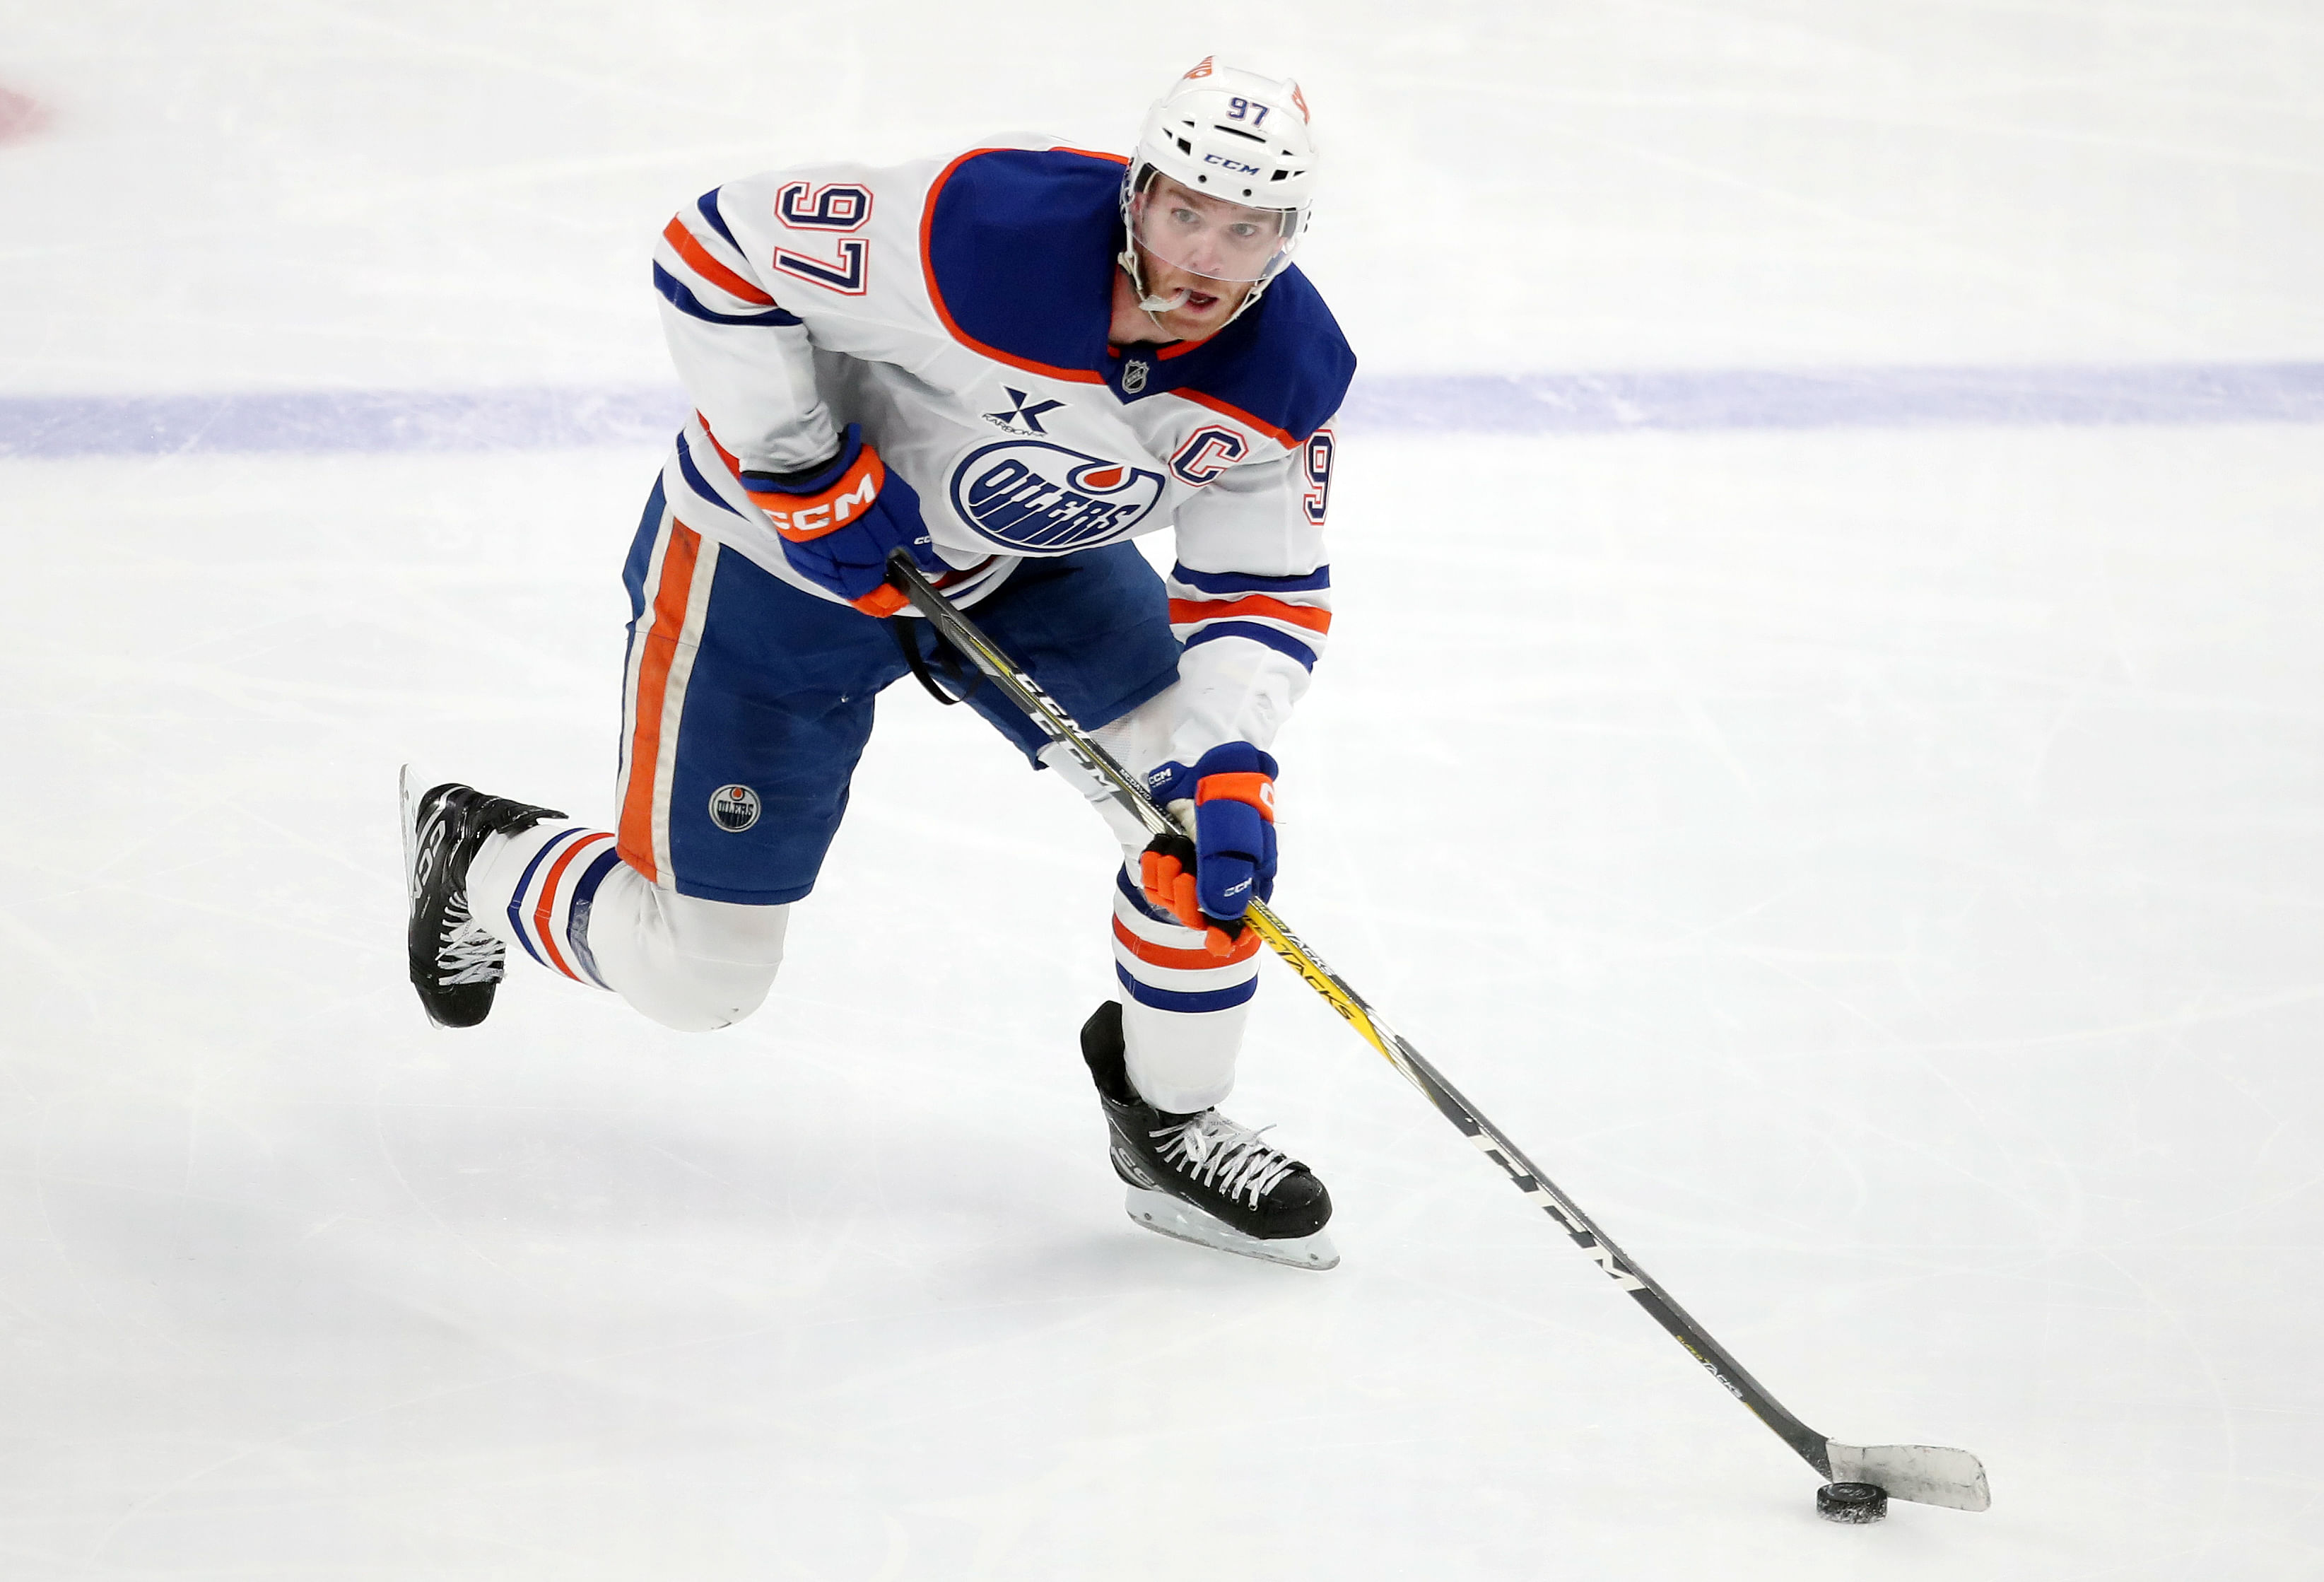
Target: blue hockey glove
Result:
[[1209, 881], [840, 521]]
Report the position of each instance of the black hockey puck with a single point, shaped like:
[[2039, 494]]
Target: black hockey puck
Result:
[[1856, 1503]]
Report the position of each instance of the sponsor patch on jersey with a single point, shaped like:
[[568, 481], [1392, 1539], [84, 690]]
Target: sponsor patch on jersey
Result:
[[1032, 494], [733, 808], [1022, 409]]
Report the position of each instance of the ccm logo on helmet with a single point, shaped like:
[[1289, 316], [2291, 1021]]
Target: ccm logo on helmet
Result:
[[1029, 494], [1237, 166]]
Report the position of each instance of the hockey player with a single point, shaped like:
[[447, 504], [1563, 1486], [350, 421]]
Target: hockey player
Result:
[[1008, 363]]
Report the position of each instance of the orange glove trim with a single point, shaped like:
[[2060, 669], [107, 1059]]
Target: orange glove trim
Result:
[[802, 517], [1249, 786]]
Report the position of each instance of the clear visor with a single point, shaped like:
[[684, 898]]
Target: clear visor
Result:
[[1210, 236]]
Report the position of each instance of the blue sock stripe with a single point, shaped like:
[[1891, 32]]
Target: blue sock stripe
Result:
[[1186, 1004], [1221, 974], [516, 896], [577, 920]]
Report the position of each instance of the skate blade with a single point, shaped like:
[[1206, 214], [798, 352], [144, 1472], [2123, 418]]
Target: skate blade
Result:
[[1158, 1211], [411, 800]]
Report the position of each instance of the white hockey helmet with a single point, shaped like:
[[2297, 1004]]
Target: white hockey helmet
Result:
[[1242, 140]]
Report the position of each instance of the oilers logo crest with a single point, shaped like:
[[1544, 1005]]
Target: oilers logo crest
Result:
[[733, 808], [1031, 495]]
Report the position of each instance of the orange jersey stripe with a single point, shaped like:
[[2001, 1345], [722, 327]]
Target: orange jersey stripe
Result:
[[698, 256], [671, 596], [1184, 610], [1185, 960], [548, 897], [1290, 441]]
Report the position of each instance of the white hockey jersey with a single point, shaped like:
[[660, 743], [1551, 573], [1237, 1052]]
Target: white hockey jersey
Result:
[[958, 310]]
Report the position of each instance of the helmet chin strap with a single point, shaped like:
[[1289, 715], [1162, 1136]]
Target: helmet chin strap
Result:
[[1151, 305], [1147, 302]]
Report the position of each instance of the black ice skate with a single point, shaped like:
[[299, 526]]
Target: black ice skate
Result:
[[1201, 1178], [455, 962]]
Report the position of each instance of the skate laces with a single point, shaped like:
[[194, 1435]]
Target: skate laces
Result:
[[466, 952], [1219, 1153], [470, 953]]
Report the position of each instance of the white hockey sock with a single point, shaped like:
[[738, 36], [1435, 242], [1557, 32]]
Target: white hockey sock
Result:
[[1182, 1009], [535, 889]]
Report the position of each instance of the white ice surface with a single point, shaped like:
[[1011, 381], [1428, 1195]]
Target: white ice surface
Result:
[[1878, 874], [435, 192]]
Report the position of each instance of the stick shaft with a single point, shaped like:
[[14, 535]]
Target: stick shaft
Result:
[[1126, 791]]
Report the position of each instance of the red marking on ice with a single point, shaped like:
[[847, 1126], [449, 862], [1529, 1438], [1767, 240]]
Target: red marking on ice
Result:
[[21, 116]]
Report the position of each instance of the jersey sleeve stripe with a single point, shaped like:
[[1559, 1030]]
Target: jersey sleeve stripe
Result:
[[1243, 582], [732, 463], [697, 482], [1187, 611], [674, 291], [1283, 642], [707, 206], [698, 258]]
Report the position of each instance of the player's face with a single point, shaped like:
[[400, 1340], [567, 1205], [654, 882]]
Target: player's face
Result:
[[1203, 305], [1212, 250], [1207, 236]]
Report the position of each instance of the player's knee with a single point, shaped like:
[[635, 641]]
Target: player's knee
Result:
[[689, 996], [692, 965]]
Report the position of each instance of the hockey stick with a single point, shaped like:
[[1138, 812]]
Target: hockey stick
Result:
[[1926, 1474]]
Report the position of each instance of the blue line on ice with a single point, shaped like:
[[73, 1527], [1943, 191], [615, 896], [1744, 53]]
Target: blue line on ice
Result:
[[1446, 404]]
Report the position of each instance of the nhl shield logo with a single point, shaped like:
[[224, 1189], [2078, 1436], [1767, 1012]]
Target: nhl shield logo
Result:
[[1133, 375], [733, 808]]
